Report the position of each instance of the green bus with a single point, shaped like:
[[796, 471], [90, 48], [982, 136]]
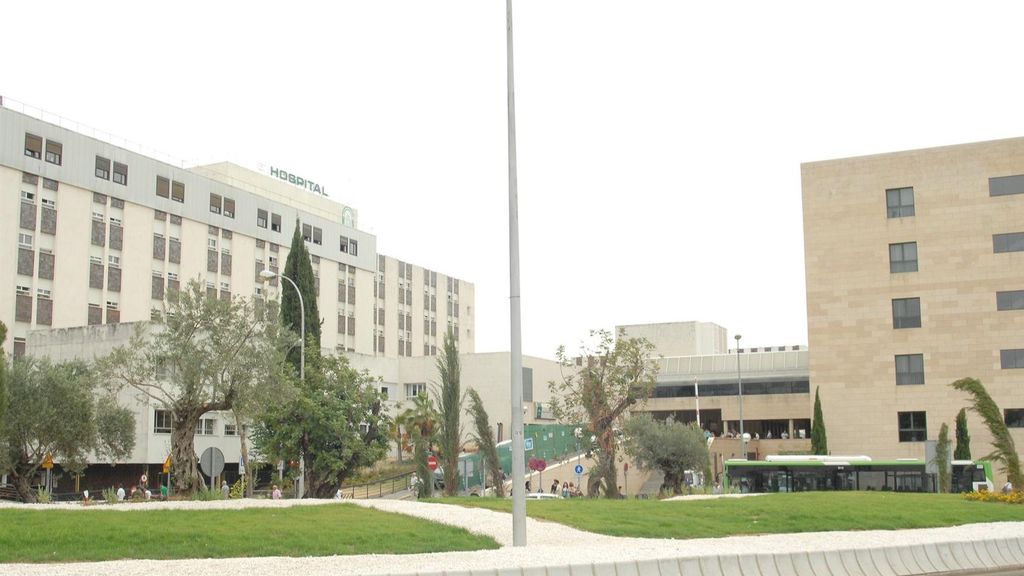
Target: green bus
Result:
[[811, 473]]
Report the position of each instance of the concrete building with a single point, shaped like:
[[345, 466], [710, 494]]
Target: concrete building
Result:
[[92, 233], [914, 279]]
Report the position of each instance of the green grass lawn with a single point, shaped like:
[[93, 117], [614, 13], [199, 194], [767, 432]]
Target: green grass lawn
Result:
[[768, 514], [92, 535]]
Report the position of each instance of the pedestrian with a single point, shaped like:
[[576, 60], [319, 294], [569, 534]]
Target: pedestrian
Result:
[[414, 484], [338, 495], [1008, 487], [565, 489], [225, 490], [163, 491], [527, 486], [554, 486], [120, 492], [276, 493]]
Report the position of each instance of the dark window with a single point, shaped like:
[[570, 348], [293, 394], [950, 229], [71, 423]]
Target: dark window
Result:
[[159, 247], [177, 191], [910, 369], [44, 311], [318, 236], [906, 313], [50, 184], [99, 233], [1013, 358], [275, 222], [26, 262], [215, 203], [174, 251], [48, 220], [163, 187], [307, 232], [162, 422], [899, 202], [353, 247], [54, 152], [1014, 417], [102, 168], [343, 245], [157, 291], [33, 146], [95, 314], [116, 237], [113, 279], [211, 260], [225, 263], [30, 179], [95, 276], [229, 207], [1010, 300], [1005, 185], [913, 427], [903, 257], [120, 173], [261, 218], [1012, 242], [116, 203], [113, 315], [23, 308], [46, 264]]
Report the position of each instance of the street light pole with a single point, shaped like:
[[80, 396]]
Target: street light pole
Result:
[[739, 380], [267, 275]]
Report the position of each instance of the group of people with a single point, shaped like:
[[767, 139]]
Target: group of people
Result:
[[140, 490], [756, 436], [568, 489]]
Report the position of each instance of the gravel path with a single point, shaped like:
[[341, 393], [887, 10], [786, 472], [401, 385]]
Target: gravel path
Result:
[[549, 544]]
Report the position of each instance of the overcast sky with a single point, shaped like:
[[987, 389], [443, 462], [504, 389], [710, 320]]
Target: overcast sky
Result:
[[659, 143]]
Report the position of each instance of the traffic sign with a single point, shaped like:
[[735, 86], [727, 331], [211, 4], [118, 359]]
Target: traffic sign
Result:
[[48, 462], [167, 465], [579, 469], [212, 462], [432, 462], [528, 443]]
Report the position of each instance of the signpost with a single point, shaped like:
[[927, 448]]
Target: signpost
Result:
[[528, 444], [579, 474], [432, 462], [48, 466], [212, 463]]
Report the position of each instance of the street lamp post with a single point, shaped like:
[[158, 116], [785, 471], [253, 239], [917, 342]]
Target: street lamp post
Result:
[[267, 275], [739, 380]]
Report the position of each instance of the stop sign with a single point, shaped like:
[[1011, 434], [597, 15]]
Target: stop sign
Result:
[[432, 462]]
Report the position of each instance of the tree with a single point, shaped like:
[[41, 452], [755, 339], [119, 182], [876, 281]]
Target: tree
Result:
[[484, 438], [942, 458], [1004, 451], [819, 439], [203, 355], [963, 437], [335, 423], [597, 388], [300, 270], [420, 422], [449, 403], [669, 446], [3, 374], [59, 409]]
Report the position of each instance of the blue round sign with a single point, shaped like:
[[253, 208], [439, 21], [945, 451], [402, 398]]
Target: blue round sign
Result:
[[579, 469]]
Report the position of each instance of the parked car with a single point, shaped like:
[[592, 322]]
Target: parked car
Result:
[[542, 496]]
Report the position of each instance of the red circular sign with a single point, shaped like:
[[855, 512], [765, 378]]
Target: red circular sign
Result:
[[432, 462]]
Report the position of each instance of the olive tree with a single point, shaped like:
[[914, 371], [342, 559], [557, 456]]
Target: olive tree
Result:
[[669, 446]]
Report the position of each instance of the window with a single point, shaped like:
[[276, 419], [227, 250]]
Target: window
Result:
[[215, 203], [54, 152], [899, 202], [33, 146], [903, 257], [230, 429], [307, 232], [120, 173], [906, 313], [318, 236], [413, 390], [261, 218], [385, 392], [909, 369], [353, 247], [1010, 300], [162, 422], [205, 427], [1006, 185], [1012, 242], [24, 240], [229, 207], [50, 184], [1010, 359], [163, 187], [1014, 417], [177, 192], [275, 222], [913, 427], [102, 168], [114, 261], [344, 244], [211, 243]]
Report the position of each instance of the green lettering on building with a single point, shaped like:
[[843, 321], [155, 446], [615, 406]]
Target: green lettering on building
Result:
[[298, 181]]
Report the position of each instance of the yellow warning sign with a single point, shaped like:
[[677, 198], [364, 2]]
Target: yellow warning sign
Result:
[[48, 462], [167, 464]]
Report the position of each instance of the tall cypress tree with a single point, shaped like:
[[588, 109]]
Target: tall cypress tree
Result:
[[3, 373], [819, 440], [299, 268], [963, 437]]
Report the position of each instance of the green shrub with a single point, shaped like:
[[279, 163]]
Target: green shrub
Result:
[[42, 496], [205, 495], [238, 489], [110, 495]]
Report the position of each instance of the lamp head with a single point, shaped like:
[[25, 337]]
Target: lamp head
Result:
[[267, 275], [737, 337]]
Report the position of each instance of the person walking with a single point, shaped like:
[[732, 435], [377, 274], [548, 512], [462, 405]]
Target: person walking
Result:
[[120, 493], [225, 490], [276, 494]]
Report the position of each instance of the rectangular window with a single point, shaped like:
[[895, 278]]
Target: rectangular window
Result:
[[215, 203], [913, 427], [177, 192], [33, 146], [1010, 300], [102, 168], [24, 240], [205, 427], [163, 187], [903, 257], [307, 232], [413, 390], [906, 313], [120, 175], [50, 184], [261, 218], [1014, 417], [229, 207], [54, 152], [353, 247], [1011, 359], [230, 429], [1006, 185], [318, 236], [899, 202], [162, 422], [909, 369], [344, 244], [275, 222], [1012, 242]]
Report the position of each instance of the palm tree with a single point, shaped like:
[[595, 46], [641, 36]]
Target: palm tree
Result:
[[484, 438], [420, 422], [1004, 451]]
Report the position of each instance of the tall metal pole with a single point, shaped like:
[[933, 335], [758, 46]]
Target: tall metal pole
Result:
[[302, 374], [696, 396], [518, 454], [739, 380]]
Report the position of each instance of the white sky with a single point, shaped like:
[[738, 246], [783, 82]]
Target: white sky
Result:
[[659, 143]]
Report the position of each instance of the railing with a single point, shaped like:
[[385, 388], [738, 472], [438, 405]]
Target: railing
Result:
[[378, 489]]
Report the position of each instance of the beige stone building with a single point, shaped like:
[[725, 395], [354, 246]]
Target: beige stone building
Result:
[[915, 278]]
